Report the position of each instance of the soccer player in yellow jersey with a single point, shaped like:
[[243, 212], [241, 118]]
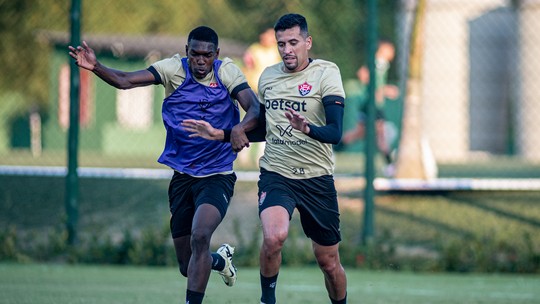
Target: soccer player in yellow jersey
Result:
[[303, 102]]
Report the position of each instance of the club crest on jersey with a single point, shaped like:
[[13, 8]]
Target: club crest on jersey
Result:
[[213, 84], [304, 88]]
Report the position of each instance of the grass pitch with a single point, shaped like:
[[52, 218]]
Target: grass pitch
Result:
[[59, 284]]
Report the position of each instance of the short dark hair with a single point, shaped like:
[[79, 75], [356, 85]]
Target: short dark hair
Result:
[[204, 33], [289, 21]]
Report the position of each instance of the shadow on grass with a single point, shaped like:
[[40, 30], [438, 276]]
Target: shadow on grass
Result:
[[424, 221], [484, 206]]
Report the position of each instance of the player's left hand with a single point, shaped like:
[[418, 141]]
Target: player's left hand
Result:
[[297, 121]]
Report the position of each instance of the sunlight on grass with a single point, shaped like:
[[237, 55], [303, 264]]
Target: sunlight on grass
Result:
[[59, 284]]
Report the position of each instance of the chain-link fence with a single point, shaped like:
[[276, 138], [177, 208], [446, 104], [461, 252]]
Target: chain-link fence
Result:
[[477, 108], [478, 99]]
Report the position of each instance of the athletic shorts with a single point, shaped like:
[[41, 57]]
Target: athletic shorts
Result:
[[315, 198], [187, 193]]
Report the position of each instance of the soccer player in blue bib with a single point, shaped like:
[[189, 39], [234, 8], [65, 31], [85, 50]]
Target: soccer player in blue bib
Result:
[[202, 87]]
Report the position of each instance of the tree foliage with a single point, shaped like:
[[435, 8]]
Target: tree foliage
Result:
[[22, 57], [338, 29]]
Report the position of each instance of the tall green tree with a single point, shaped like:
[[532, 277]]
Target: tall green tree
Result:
[[338, 28], [22, 56]]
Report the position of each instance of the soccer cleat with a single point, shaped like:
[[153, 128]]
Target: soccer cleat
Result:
[[228, 274]]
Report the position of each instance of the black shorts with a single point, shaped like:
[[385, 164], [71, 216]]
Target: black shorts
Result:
[[315, 198], [187, 193]]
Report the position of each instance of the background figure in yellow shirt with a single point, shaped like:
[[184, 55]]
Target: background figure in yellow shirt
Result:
[[257, 57], [260, 55]]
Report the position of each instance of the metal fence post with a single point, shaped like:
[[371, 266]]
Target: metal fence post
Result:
[[369, 191], [72, 178]]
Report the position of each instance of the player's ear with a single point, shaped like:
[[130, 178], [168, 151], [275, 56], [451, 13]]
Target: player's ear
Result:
[[217, 53], [309, 42], [186, 49]]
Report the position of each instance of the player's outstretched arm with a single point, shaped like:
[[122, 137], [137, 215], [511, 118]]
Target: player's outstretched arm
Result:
[[86, 58]]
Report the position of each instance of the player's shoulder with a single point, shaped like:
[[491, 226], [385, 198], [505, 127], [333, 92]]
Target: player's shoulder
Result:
[[324, 64], [228, 63], [272, 70], [169, 66], [174, 60]]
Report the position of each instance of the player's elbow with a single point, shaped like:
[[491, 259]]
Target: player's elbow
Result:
[[335, 139], [335, 142], [119, 83], [335, 135], [125, 84]]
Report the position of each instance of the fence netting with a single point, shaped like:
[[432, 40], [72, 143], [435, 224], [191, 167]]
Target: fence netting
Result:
[[477, 103]]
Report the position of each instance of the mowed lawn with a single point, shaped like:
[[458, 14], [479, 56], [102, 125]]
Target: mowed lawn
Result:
[[59, 284]]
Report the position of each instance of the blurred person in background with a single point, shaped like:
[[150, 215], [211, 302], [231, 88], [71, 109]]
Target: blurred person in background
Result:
[[197, 86], [303, 102], [385, 131], [257, 57]]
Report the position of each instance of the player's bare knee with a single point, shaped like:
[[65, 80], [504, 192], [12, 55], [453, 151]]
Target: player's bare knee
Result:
[[328, 266], [328, 263], [200, 241], [274, 243]]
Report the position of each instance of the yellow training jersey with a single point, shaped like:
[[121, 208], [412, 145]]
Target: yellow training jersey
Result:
[[290, 152], [173, 75]]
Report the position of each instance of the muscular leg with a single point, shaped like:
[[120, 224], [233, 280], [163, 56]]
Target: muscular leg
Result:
[[275, 226], [334, 274], [183, 253], [275, 223], [205, 222]]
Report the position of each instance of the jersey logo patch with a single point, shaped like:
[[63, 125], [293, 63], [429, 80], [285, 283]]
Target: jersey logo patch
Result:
[[287, 130], [304, 88], [213, 85]]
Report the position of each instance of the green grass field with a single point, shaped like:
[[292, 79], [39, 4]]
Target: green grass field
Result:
[[59, 284]]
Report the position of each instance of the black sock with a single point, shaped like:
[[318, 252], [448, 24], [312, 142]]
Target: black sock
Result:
[[268, 288], [193, 297], [342, 301], [218, 262]]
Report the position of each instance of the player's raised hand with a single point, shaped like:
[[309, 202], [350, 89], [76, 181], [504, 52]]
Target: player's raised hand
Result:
[[84, 56], [297, 121]]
